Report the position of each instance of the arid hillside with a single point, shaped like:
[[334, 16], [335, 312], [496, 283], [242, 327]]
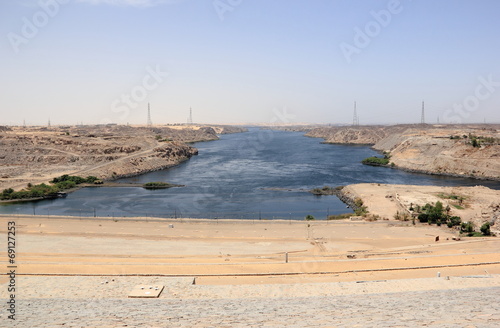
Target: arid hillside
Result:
[[467, 151], [462, 150], [356, 135], [38, 154]]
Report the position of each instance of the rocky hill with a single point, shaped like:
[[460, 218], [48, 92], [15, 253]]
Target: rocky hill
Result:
[[36, 155], [448, 150], [359, 135]]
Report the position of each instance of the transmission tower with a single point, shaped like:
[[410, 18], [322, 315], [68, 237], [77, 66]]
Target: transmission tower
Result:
[[190, 118], [422, 119], [150, 123], [48, 123], [355, 118]]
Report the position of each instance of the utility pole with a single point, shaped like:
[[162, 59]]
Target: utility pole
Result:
[[190, 118], [422, 118], [150, 123], [355, 118]]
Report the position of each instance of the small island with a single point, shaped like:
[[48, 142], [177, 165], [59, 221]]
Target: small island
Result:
[[157, 185]]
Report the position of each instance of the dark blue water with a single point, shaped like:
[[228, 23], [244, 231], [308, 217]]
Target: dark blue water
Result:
[[259, 174]]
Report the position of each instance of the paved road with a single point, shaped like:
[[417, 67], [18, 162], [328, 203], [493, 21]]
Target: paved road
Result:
[[476, 307]]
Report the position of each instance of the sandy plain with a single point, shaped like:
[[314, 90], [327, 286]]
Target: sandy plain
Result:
[[78, 272], [248, 251]]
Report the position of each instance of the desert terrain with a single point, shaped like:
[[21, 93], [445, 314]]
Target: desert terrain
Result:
[[38, 154], [477, 205], [80, 272], [432, 149]]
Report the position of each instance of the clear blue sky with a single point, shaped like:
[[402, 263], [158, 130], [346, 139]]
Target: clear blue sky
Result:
[[246, 60]]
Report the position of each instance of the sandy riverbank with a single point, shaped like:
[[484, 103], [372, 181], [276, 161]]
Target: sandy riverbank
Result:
[[478, 205]]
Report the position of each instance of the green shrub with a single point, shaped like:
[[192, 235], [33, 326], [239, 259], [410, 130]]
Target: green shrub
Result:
[[66, 177], [454, 221], [91, 179], [310, 218], [375, 161], [65, 185], [423, 217], [467, 227], [485, 229]]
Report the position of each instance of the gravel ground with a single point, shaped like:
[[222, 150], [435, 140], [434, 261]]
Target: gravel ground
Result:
[[91, 302]]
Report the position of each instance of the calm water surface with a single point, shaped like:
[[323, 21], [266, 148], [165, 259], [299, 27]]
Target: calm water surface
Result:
[[258, 174]]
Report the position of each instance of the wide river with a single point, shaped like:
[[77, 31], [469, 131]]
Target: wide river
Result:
[[260, 174]]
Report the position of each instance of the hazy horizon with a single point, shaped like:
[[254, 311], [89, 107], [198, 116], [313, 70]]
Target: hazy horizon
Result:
[[249, 62]]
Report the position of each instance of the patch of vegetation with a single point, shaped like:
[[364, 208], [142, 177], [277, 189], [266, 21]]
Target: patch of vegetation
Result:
[[358, 202], [402, 216], [159, 138], [454, 221], [436, 214], [450, 196], [458, 198], [360, 209], [474, 234], [340, 216], [156, 185], [73, 178], [477, 141], [326, 190], [35, 191], [310, 218], [375, 161], [42, 190], [468, 228], [485, 229]]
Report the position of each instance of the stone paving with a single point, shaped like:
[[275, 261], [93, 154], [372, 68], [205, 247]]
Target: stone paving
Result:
[[475, 307]]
